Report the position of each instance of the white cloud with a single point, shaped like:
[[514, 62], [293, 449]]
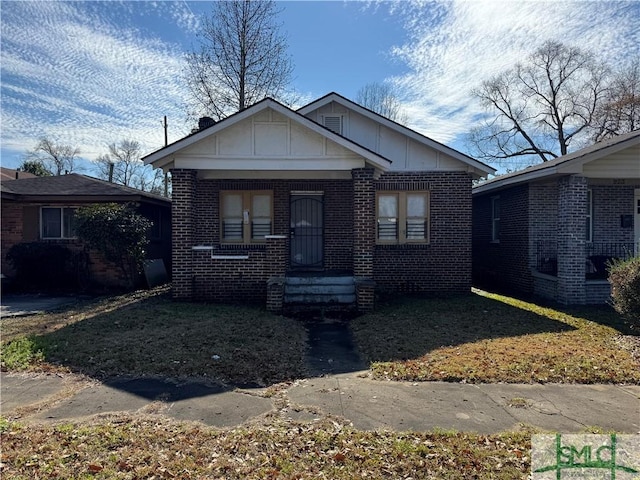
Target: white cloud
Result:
[[77, 73], [455, 45]]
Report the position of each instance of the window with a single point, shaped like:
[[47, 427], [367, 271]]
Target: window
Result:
[[402, 217], [333, 123], [495, 219], [57, 222], [246, 216], [589, 223]]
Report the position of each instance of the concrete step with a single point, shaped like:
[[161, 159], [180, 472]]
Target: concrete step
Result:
[[315, 299], [324, 289], [320, 290], [319, 280]]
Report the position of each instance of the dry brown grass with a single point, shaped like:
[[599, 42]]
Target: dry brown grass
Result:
[[147, 334], [492, 338], [154, 447]]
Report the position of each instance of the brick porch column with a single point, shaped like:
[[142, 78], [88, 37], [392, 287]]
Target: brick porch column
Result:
[[572, 214], [276, 270], [364, 228], [183, 184]]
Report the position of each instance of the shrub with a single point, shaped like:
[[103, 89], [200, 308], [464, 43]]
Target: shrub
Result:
[[45, 266], [118, 232], [624, 276]]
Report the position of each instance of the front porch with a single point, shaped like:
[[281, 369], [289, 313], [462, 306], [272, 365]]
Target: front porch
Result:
[[313, 249], [593, 277], [597, 256]]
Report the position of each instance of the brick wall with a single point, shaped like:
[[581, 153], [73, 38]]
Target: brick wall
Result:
[[443, 265], [184, 213], [543, 220], [572, 209], [609, 202], [503, 264], [232, 280], [11, 231]]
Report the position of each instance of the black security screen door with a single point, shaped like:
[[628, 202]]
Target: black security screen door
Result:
[[306, 230]]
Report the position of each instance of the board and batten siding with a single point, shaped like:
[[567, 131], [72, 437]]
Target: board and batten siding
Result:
[[406, 153]]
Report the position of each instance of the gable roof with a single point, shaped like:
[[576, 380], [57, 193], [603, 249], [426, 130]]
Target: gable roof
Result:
[[418, 137], [81, 187], [566, 164], [161, 158]]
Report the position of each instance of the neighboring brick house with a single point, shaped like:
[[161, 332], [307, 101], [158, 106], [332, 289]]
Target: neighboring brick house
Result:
[[41, 209], [550, 229], [320, 205]]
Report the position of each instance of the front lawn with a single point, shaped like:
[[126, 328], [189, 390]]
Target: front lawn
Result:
[[147, 334], [493, 338], [154, 447]]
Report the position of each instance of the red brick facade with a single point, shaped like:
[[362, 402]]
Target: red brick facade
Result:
[[20, 223], [206, 269], [444, 264]]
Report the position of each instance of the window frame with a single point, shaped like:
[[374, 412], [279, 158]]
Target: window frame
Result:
[[495, 220], [247, 224], [61, 210], [402, 218]]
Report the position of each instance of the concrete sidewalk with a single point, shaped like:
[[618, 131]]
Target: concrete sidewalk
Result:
[[368, 404]]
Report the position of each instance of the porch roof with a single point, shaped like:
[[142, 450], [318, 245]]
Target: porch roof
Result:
[[575, 163]]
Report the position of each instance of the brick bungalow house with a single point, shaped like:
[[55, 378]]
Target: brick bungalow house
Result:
[[41, 209], [550, 229], [320, 205]]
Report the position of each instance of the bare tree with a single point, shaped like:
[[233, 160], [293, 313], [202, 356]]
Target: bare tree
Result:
[[620, 112], [541, 107], [57, 158], [382, 99], [122, 164], [242, 58]]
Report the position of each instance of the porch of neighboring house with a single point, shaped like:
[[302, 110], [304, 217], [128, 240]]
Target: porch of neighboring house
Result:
[[573, 264], [597, 257]]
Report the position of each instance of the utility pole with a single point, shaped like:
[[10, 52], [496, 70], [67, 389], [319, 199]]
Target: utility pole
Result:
[[166, 142], [166, 174]]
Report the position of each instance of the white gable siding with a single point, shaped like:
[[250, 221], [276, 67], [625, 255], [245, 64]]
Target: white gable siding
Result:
[[406, 153], [263, 144], [421, 157], [622, 164], [363, 131], [305, 143]]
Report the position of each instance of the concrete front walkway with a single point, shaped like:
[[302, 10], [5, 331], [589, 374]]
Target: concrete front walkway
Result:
[[368, 404]]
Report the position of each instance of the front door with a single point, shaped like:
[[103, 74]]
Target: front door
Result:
[[307, 229], [636, 219]]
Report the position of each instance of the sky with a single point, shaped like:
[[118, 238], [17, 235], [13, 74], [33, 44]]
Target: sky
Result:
[[91, 73]]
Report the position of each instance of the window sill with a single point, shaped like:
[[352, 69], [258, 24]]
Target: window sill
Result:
[[401, 246]]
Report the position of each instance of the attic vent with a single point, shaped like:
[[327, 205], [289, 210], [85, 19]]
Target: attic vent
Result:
[[333, 123]]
